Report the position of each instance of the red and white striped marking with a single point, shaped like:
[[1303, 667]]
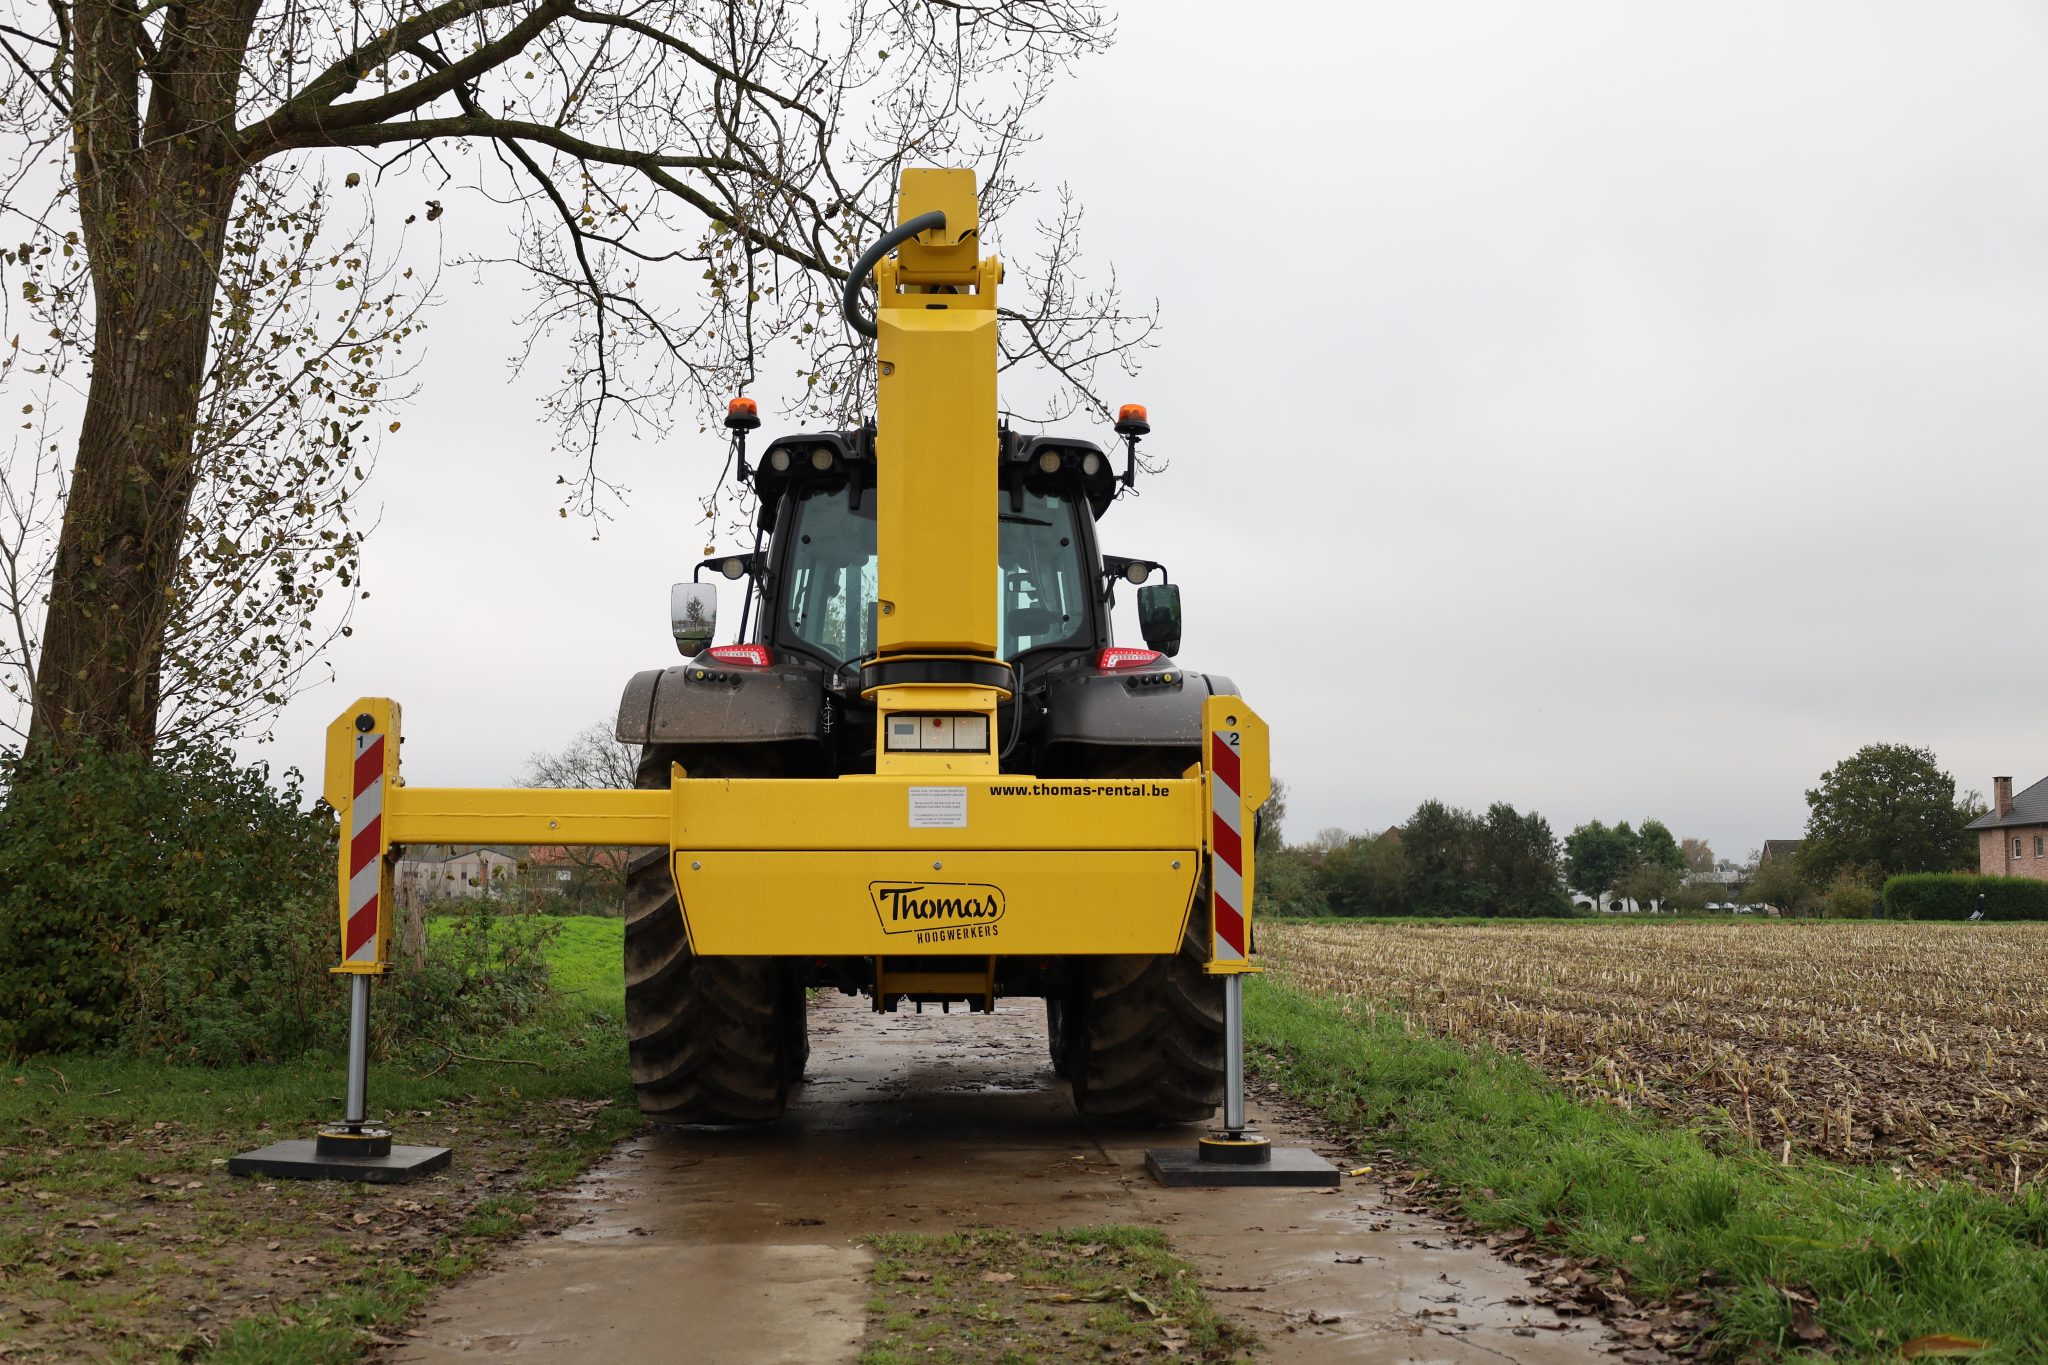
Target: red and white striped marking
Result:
[[365, 852], [1226, 848]]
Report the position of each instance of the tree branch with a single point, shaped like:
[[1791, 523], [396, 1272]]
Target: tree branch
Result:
[[62, 105], [314, 108], [654, 166]]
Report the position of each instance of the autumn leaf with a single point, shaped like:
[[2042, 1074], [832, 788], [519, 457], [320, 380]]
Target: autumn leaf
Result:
[[1942, 1344]]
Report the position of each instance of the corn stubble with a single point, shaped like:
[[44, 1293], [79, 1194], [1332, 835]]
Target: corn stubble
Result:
[[1924, 1046]]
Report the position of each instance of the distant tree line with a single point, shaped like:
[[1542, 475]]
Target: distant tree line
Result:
[[1441, 861], [1444, 860], [1887, 810]]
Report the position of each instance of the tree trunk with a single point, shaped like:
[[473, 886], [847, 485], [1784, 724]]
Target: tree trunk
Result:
[[156, 188], [131, 488]]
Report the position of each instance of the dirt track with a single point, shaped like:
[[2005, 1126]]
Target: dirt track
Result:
[[745, 1247]]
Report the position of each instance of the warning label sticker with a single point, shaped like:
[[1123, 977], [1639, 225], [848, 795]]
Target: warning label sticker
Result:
[[938, 808]]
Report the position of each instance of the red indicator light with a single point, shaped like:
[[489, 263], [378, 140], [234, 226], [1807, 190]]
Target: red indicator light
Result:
[[754, 655], [1118, 657]]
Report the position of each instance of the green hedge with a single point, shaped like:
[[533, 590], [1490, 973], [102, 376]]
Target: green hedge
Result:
[[106, 859], [1953, 895], [181, 908]]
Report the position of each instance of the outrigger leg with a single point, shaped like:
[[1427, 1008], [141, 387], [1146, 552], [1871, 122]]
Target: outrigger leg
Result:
[[353, 1149], [1236, 1154]]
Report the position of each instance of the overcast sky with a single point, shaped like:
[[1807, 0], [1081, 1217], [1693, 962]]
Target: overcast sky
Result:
[[1619, 410]]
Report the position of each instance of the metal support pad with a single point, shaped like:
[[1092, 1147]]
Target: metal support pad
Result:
[[1181, 1167], [301, 1159]]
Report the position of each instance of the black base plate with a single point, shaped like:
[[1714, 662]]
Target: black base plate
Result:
[[300, 1160], [1181, 1166]]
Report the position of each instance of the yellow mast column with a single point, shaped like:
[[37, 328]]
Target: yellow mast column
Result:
[[938, 672]]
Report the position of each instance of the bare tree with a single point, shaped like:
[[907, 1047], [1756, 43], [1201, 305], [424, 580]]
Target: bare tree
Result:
[[307, 353], [692, 175], [592, 758]]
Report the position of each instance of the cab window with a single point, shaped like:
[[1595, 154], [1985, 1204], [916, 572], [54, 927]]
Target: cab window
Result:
[[831, 586]]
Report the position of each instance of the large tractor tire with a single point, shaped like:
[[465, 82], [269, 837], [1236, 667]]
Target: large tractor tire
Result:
[[710, 1039], [1141, 1038]]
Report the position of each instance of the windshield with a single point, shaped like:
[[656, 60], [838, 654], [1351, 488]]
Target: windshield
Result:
[[830, 588]]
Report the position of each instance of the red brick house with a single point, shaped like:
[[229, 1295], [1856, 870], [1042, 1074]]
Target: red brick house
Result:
[[2012, 837]]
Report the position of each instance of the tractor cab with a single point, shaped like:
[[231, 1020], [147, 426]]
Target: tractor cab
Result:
[[821, 587], [811, 602]]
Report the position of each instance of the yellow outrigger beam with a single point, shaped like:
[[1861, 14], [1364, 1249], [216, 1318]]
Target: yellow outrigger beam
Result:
[[863, 865]]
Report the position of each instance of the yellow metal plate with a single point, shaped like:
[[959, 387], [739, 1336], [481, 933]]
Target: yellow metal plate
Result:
[[939, 814], [936, 453], [977, 903]]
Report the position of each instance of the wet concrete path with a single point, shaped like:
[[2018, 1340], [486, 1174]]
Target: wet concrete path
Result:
[[744, 1248]]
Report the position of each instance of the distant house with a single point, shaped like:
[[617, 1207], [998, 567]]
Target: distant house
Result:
[[1779, 848], [577, 871], [2012, 837], [429, 872]]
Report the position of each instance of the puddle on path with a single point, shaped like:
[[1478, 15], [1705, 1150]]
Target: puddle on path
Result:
[[745, 1247]]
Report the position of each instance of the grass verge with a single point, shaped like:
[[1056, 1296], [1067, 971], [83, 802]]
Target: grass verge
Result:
[[1802, 1257], [123, 1238], [1089, 1293]]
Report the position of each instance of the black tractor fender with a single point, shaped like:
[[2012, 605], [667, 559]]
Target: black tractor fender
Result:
[[701, 703], [1131, 710]]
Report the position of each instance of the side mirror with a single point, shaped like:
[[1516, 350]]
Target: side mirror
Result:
[[692, 616], [1159, 617]]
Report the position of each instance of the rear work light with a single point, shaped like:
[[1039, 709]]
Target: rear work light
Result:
[[1117, 658], [754, 655]]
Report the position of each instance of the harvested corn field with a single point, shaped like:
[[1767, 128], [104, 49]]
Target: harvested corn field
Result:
[[1921, 1045]]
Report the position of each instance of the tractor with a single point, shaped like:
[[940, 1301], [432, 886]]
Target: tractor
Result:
[[924, 773]]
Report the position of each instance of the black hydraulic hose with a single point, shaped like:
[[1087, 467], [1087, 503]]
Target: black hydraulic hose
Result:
[[849, 298]]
